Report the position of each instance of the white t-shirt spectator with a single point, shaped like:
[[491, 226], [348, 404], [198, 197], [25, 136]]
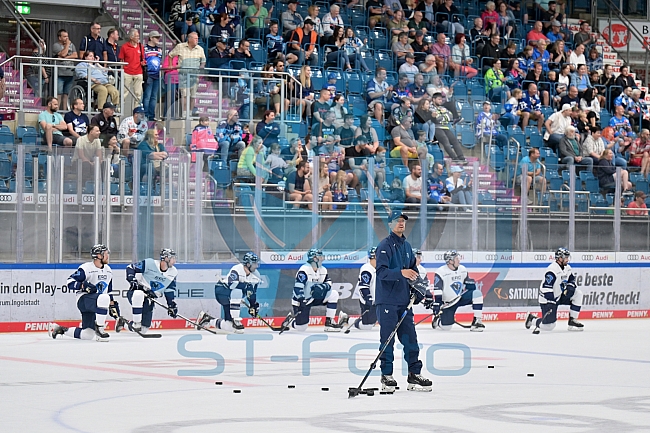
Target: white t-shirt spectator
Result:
[[413, 186], [409, 70], [576, 60]]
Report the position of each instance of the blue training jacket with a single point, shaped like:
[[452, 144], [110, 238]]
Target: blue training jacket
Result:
[[393, 255]]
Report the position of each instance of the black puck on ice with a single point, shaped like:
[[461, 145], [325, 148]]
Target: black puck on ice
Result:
[[396, 388], [372, 389], [324, 389], [291, 386], [237, 391], [218, 383], [531, 375], [385, 392], [490, 366], [370, 393]]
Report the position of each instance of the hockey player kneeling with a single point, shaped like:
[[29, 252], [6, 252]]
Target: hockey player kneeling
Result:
[[453, 288], [558, 288]]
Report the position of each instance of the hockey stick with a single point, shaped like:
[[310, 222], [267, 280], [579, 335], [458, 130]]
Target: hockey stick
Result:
[[353, 392], [347, 330], [446, 305], [273, 328], [462, 325], [196, 325], [129, 324], [537, 330]]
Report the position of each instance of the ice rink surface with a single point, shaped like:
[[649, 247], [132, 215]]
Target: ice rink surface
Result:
[[592, 381]]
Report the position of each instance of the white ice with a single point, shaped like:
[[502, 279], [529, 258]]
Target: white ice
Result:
[[592, 381]]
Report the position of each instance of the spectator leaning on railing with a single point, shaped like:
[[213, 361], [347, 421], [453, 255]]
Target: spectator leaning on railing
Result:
[[64, 49], [92, 42]]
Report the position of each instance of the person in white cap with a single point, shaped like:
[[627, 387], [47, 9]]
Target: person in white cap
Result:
[[556, 126]]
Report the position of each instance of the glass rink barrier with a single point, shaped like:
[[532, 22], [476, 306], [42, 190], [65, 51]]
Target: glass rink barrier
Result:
[[54, 207]]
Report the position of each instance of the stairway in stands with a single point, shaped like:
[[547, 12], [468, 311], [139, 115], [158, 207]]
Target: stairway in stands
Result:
[[12, 89]]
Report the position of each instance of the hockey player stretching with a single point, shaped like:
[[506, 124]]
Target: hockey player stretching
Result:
[[453, 288], [150, 279], [558, 288], [93, 283], [313, 286], [242, 280]]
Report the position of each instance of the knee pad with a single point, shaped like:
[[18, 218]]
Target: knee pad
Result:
[[236, 296], [576, 299], [137, 299], [103, 301], [332, 297]]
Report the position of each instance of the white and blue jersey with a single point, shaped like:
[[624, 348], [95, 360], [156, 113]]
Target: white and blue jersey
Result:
[[147, 273], [530, 103], [101, 278], [449, 284], [621, 126], [238, 280], [274, 44], [311, 283], [366, 284], [553, 283]]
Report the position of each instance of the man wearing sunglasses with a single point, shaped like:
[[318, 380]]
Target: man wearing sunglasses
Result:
[[52, 125]]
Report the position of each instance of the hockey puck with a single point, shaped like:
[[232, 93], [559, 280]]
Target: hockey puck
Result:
[[370, 393], [531, 375], [490, 366], [291, 386], [237, 391], [218, 383], [324, 389], [385, 392], [396, 388], [372, 389]]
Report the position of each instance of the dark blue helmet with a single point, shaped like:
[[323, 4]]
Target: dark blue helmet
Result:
[[372, 253], [98, 250], [562, 253], [250, 258], [313, 253], [167, 253]]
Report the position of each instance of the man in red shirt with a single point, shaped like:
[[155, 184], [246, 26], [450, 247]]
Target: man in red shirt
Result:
[[132, 53], [638, 203], [536, 34]]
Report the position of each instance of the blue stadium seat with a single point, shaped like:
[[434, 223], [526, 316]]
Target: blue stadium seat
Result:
[[7, 137]]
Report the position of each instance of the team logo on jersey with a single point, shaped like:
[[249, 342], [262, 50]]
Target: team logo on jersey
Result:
[[365, 278], [102, 277], [155, 286], [101, 286], [301, 277], [550, 278], [456, 287]]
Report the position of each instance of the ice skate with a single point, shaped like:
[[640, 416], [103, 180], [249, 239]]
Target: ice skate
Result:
[[417, 382], [119, 324], [435, 322], [203, 320], [388, 384], [477, 325], [237, 326], [574, 325], [135, 326], [54, 330], [100, 334], [330, 326], [343, 319], [529, 320]]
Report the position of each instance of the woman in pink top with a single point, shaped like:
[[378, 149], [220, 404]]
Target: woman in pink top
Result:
[[170, 69], [490, 15]]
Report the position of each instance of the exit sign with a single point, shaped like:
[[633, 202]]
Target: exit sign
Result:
[[23, 8]]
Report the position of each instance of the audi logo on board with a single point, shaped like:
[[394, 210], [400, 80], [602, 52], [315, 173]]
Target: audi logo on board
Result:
[[491, 257], [277, 257], [633, 257], [5, 197], [587, 257], [542, 257]]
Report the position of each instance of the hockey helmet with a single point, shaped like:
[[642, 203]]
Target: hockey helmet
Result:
[[250, 258], [167, 253], [98, 250], [313, 253], [372, 253], [417, 252], [450, 255], [562, 253]]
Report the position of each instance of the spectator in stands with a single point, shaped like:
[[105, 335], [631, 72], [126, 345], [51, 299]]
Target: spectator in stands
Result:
[[625, 100], [230, 7], [536, 34], [405, 145], [353, 46], [571, 97], [583, 37], [436, 186], [417, 23], [375, 10], [460, 192], [320, 131], [445, 16], [356, 162], [86, 149], [420, 47], [447, 139], [509, 53], [275, 45], [132, 53], [153, 56], [220, 54], [332, 155], [491, 51], [291, 19], [397, 25], [324, 186], [479, 36], [511, 107], [401, 91], [334, 46], [417, 89], [90, 69], [570, 150], [268, 129], [530, 169], [346, 131], [181, 19], [396, 194], [152, 154], [526, 62], [536, 75], [321, 106], [514, 76], [203, 141], [428, 68], [550, 15], [317, 26], [339, 109], [462, 61], [132, 130], [222, 30], [487, 130], [206, 11], [106, 122], [92, 42], [531, 107], [557, 57], [490, 16], [52, 125], [624, 79], [191, 56], [442, 52], [76, 121], [303, 43], [580, 79], [448, 101], [246, 165], [556, 126], [257, 17], [275, 164], [577, 57], [594, 61], [540, 55], [331, 20], [298, 188], [408, 68], [366, 130], [590, 104], [37, 77], [306, 97], [639, 110], [428, 9], [607, 172], [621, 124], [638, 203], [378, 92], [111, 51], [495, 82], [400, 47], [555, 34], [229, 135], [243, 51], [640, 152], [506, 21], [423, 119], [64, 49], [413, 184]]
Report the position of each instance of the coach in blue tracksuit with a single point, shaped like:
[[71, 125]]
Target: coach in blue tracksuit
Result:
[[395, 266]]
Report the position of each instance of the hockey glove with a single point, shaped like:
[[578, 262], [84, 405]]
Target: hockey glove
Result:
[[114, 310], [419, 289], [550, 299], [254, 309], [134, 285], [172, 309], [88, 287], [569, 289], [470, 284]]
